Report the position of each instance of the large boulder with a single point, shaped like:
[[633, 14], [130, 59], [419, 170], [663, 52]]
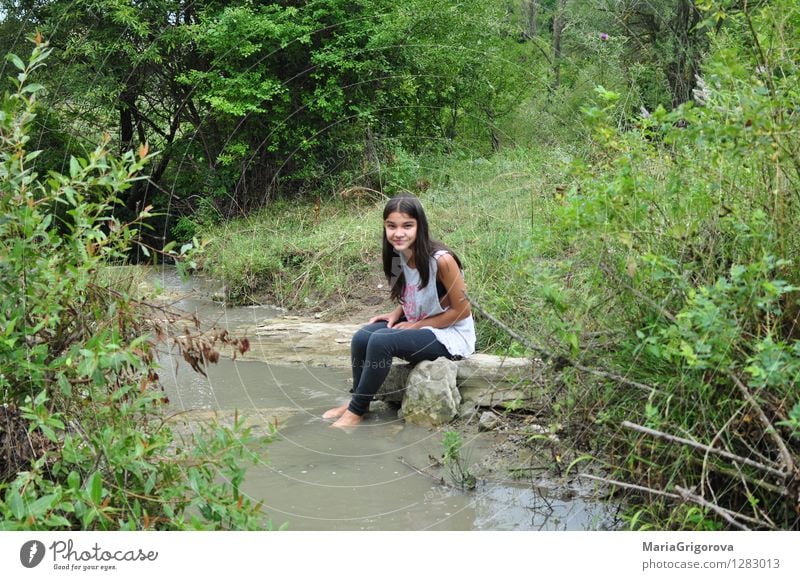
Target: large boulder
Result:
[[431, 395], [393, 388]]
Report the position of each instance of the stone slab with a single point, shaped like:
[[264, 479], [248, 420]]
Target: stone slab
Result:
[[483, 379]]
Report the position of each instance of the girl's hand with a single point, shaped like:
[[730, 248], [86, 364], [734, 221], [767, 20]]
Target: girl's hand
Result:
[[405, 325], [390, 318]]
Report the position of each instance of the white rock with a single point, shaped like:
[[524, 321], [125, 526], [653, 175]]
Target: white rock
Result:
[[488, 421], [432, 397]]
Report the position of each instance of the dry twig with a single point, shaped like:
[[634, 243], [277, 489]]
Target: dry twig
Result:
[[723, 513], [558, 360], [696, 445]]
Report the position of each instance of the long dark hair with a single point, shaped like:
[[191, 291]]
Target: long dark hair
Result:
[[424, 246]]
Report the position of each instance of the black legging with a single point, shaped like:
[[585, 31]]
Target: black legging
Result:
[[372, 349]]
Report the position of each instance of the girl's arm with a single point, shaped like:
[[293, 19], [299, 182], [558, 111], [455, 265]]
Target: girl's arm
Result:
[[450, 276]]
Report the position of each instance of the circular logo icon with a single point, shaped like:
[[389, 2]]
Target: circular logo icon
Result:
[[31, 554]]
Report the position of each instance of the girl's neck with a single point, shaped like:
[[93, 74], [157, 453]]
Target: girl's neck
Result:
[[409, 257]]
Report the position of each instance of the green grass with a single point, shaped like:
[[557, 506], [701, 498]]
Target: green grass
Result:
[[290, 254]]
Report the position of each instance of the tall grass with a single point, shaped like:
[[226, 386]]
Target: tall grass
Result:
[[686, 227]]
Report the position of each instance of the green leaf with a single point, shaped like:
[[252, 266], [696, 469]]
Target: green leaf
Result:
[[40, 399], [74, 480], [16, 61], [49, 432], [572, 339], [32, 88], [42, 505], [88, 518], [58, 522], [8, 526], [95, 487], [150, 483], [578, 460], [65, 387], [15, 504]]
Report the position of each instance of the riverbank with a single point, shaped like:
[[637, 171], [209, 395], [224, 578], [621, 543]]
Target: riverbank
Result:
[[512, 466]]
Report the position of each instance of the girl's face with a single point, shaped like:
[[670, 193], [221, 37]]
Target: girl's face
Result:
[[401, 231]]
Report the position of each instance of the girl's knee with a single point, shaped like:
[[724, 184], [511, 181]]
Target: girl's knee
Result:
[[382, 341], [361, 337], [364, 334]]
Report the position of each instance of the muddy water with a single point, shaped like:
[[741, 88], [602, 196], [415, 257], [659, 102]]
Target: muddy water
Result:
[[317, 478]]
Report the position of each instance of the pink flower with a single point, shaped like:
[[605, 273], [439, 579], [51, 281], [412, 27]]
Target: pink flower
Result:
[[603, 36]]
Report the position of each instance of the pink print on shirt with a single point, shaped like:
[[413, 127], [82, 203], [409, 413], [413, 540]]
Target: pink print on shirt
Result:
[[409, 299]]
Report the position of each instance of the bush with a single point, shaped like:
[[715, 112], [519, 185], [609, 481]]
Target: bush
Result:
[[687, 225], [84, 413]]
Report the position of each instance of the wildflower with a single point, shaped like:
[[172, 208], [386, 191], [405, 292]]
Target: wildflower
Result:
[[701, 92], [603, 36]]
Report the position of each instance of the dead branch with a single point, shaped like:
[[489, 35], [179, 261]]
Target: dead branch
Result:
[[769, 428], [558, 360], [705, 470], [737, 473], [723, 513], [439, 480], [630, 486], [706, 448]]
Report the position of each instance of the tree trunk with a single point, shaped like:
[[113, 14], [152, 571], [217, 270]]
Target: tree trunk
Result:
[[127, 103], [558, 28], [493, 136], [451, 127], [372, 163], [682, 71], [533, 19], [145, 189]]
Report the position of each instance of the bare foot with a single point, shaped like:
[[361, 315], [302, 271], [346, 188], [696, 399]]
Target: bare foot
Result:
[[348, 419], [335, 413]]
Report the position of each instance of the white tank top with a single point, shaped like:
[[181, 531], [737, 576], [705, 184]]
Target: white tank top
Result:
[[420, 303]]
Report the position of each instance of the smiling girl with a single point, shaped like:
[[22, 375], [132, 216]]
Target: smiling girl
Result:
[[433, 318]]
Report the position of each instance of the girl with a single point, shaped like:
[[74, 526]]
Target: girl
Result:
[[433, 319]]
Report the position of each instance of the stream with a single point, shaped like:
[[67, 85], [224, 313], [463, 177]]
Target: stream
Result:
[[317, 478]]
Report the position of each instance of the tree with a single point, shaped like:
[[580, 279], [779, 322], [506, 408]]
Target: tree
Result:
[[533, 18], [559, 20]]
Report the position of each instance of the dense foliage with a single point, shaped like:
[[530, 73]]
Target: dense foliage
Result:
[[85, 439], [689, 218], [250, 101], [621, 178]]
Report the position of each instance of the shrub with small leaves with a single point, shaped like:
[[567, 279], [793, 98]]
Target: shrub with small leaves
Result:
[[85, 425]]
